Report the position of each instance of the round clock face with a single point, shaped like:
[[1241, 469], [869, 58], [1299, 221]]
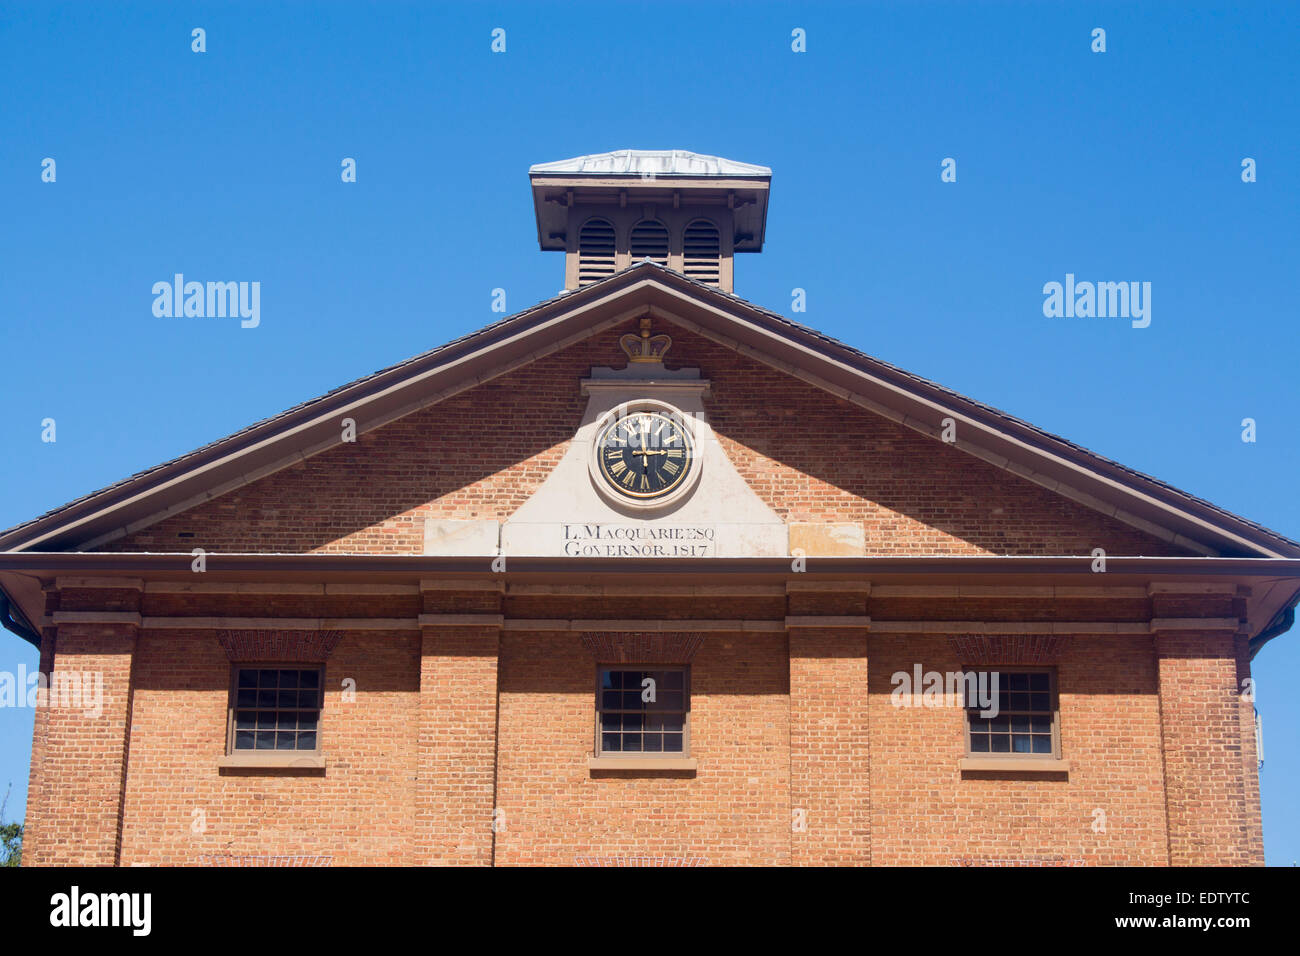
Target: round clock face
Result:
[[645, 455]]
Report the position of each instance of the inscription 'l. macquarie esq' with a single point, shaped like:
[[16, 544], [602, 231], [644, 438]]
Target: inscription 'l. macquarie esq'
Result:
[[637, 541]]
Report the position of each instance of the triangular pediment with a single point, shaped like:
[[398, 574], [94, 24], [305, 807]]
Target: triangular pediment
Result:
[[577, 331]]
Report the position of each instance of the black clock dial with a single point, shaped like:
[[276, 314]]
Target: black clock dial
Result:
[[644, 455]]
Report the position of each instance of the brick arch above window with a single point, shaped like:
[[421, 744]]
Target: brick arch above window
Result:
[[1007, 649], [642, 647], [286, 646]]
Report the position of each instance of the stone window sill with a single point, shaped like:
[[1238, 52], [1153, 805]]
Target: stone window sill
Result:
[[271, 760], [642, 763], [1020, 765]]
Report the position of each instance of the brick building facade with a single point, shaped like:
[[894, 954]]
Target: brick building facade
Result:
[[413, 621]]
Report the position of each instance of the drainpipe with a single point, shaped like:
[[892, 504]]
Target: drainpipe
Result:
[[13, 620], [1280, 624]]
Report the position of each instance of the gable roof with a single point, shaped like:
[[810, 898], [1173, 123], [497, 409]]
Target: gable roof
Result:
[[646, 288]]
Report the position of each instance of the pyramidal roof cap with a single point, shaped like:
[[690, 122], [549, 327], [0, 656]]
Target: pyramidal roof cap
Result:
[[660, 162]]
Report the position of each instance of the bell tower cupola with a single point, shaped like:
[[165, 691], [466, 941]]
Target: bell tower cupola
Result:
[[689, 212]]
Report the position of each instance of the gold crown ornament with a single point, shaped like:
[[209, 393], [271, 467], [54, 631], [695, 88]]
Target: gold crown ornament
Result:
[[645, 347]]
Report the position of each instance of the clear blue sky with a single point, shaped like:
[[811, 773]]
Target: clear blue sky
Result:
[[225, 165]]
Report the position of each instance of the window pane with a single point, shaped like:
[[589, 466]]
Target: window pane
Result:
[[629, 722], [276, 709], [1024, 724]]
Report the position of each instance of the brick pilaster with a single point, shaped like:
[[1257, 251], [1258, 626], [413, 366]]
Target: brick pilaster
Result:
[[84, 748], [1213, 813], [830, 753], [456, 755]]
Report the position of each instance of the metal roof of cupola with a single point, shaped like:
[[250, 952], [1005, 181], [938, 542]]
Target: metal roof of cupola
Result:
[[686, 211]]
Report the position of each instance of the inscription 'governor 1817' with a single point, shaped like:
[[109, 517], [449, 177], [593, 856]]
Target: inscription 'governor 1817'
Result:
[[645, 455]]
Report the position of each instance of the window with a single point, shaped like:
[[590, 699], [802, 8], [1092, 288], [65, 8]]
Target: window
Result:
[[275, 708], [702, 252], [1025, 724], [595, 251], [642, 711], [649, 240]]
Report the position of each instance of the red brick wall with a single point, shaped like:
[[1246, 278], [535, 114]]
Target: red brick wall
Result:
[[735, 809], [1213, 812], [78, 797], [454, 724], [913, 494], [457, 747], [925, 811], [830, 747], [361, 810], [451, 725]]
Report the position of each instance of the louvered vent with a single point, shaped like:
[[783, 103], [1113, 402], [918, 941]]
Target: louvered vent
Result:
[[702, 249], [650, 241], [595, 251]]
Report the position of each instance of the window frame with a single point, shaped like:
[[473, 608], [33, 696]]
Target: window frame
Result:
[[684, 753], [233, 697], [1053, 700]]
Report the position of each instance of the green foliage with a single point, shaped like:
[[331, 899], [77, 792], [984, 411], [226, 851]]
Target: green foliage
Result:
[[11, 838]]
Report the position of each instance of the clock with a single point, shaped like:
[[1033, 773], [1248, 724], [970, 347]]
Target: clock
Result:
[[645, 457]]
